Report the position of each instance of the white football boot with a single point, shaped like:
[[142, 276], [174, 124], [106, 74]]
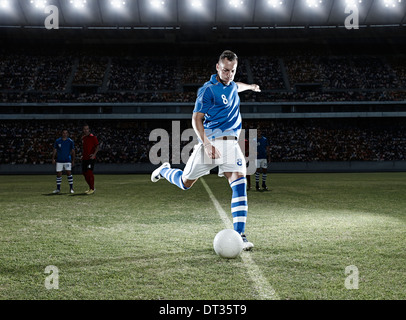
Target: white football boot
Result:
[[155, 176], [247, 245]]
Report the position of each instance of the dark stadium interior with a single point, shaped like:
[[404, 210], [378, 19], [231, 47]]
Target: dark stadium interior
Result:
[[309, 75]]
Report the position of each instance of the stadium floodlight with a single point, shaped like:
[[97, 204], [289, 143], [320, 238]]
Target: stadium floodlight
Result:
[[117, 4], [4, 4], [39, 4], [275, 3], [79, 4], [196, 4], [352, 2], [314, 3], [391, 3], [236, 3], [157, 4]]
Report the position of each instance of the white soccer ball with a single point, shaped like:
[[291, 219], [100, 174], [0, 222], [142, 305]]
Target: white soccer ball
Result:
[[228, 244]]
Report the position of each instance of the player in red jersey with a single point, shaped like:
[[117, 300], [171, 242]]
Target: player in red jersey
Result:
[[90, 150]]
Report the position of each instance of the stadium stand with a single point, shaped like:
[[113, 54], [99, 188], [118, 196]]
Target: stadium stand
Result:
[[37, 77], [30, 142]]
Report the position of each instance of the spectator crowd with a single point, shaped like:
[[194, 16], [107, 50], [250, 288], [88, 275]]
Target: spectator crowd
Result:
[[125, 141]]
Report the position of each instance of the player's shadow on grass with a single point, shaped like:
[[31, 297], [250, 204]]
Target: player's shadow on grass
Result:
[[79, 194], [53, 194], [64, 194]]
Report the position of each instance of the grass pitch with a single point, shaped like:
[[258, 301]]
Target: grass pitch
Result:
[[137, 240]]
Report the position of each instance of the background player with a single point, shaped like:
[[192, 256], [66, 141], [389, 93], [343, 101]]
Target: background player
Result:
[[217, 123], [90, 149], [64, 150], [263, 156]]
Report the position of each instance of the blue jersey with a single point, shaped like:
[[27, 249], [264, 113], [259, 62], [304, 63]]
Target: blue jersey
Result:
[[64, 148], [262, 144], [221, 107]]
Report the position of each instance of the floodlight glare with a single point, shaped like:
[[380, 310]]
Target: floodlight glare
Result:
[[196, 4], [78, 3], [4, 4], [157, 3], [391, 3], [314, 3], [39, 4], [275, 3], [117, 4], [236, 3], [352, 2]]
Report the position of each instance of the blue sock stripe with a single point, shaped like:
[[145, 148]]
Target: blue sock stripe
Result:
[[174, 176], [237, 204], [236, 182]]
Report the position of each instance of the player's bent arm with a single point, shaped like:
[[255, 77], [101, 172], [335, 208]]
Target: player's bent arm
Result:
[[197, 123], [244, 87]]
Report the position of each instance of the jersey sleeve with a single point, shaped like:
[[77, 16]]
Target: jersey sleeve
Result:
[[72, 145], [204, 101], [56, 144]]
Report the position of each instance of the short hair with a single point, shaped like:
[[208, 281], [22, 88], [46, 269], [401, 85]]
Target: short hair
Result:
[[65, 130], [229, 55]]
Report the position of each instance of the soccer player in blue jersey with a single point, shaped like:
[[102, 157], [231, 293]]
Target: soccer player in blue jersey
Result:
[[217, 123], [64, 150], [263, 157]]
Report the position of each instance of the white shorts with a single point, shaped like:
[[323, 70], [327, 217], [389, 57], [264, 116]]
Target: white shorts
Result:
[[262, 164], [231, 160], [60, 166]]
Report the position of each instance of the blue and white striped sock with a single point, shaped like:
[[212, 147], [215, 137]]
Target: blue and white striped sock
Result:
[[70, 180], [239, 204], [174, 176], [58, 183]]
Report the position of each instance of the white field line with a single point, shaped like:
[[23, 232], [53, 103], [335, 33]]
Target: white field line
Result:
[[263, 287]]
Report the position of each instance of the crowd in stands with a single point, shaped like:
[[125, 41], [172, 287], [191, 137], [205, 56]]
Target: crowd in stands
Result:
[[31, 142], [143, 74], [34, 73], [45, 78]]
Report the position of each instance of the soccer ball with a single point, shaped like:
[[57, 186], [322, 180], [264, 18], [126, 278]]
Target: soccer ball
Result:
[[228, 244]]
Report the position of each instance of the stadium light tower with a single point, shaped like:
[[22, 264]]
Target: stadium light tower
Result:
[[39, 4]]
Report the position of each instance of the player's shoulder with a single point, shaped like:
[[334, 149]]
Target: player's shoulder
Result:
[[205, 89]]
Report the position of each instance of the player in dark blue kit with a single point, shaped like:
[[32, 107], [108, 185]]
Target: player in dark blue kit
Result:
[[64, 149], [217, 123], [263, 157]]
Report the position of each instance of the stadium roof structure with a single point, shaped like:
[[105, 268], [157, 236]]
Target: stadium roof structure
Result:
[[177, 14]]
